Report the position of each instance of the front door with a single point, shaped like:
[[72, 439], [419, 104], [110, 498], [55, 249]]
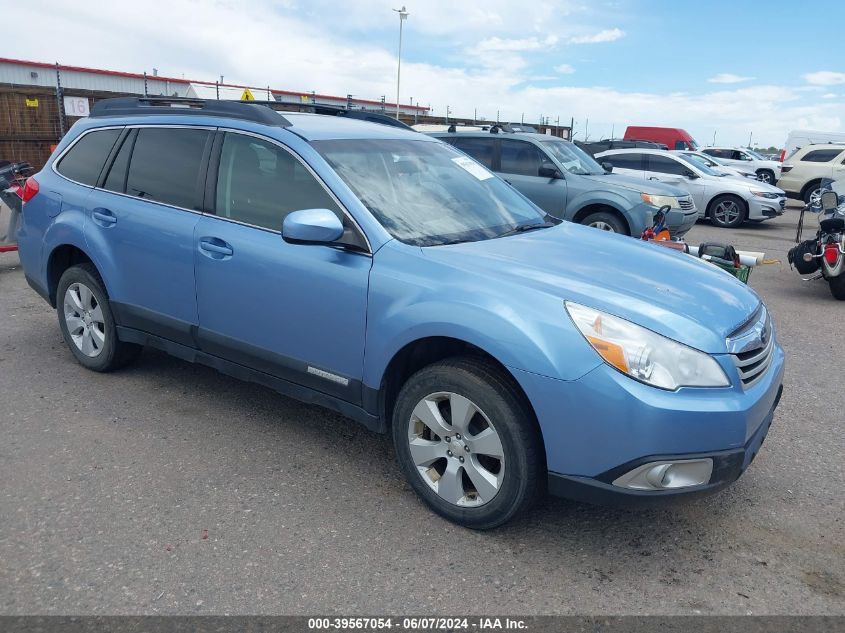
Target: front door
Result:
[[519, 164], [295, 311]]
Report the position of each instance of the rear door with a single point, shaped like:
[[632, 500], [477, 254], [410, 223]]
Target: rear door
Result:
[[294, 311], [140, 225]]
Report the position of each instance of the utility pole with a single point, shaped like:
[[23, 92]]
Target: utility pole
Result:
[[403, 15], [60, 101]]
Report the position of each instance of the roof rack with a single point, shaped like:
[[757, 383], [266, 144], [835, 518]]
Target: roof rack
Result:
[[135, 106]]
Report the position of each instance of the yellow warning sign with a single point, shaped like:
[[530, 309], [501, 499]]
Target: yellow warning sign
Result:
[[32, 103], [247, 95]]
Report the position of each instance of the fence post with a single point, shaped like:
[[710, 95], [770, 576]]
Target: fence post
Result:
[[217, 89], [60, 101], [145, 85]]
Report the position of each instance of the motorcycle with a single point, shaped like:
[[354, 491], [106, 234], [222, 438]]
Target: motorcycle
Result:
[[823, 257]]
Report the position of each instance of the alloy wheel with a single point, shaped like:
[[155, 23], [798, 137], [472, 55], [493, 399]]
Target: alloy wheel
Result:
[[456, 449], [84, 319], [816, 198], [602, 226], [726, 212], [765, 177]]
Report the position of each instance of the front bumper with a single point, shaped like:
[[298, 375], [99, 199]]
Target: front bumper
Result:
[[765, 208], [680, 221], [596, 427], [728, 466]]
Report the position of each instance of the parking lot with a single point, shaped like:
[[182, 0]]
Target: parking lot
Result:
[[170, 488]]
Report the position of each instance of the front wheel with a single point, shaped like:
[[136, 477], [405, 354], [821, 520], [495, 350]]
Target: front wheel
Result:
[[467, 443], [87, 322], [813, 195], [837, 286], [728, 211], [606, 221]]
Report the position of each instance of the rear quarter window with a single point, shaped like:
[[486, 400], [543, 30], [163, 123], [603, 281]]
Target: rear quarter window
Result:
[[821, 155], [85, 159]]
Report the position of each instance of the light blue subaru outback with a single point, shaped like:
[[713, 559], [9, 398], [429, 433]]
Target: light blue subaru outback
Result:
[[385, 275]]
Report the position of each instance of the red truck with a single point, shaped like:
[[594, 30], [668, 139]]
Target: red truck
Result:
[[672, 137]]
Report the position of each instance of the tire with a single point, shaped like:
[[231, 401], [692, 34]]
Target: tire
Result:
[[812, 190], [728, 211], [87, 322], [837, 287], [606, 221], [496, 420], [767, 176]]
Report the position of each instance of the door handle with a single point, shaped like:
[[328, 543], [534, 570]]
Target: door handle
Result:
[[652, 178], [215, 247], [103, 217]]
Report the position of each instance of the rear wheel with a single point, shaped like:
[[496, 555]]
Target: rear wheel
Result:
[[728, 211], [87, 322], [766, 175], [837, 287], [606, 221], [467, 443]]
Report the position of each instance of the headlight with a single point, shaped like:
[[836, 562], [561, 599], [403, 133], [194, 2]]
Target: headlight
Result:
[[644, 355], [660, 201], [765, 194]]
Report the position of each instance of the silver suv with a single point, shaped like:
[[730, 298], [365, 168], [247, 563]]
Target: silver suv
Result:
[[767, 170]]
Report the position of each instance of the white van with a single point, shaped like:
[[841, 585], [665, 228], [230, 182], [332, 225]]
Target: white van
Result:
[[797, 139]]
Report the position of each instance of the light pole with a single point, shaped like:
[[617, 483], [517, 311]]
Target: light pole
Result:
[[403, 15]]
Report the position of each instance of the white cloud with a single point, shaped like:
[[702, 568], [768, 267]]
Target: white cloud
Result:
[[728, 78], [303, 51], [829, 95], [564, 69], [607, 35], [496, 44], [825, 78]]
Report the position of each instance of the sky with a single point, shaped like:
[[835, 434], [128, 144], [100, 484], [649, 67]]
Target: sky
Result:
[[725, 70]]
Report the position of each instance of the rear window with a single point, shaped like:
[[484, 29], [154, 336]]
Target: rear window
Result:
[[166, 164], [821, 155], [86, 158]]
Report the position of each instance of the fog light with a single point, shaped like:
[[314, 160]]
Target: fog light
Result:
[[667, 475]]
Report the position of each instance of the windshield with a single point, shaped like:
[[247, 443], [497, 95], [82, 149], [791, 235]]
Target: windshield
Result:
[[754, 154], [704, 160], [698, 163], [427, 193], [573, 158]]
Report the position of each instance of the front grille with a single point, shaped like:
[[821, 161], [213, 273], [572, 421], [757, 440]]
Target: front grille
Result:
[[752, 365], [686, 204], [752, 346]]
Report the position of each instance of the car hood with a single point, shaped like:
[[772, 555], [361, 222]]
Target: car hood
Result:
[[638, 184], [673, 294]]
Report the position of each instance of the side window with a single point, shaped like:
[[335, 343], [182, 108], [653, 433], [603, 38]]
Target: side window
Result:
[[664, 165], [737, 155], [821, 155], [718, 153], [166, 165], [86, 158], [520, 158], [116, 179], [259, 183], [625, 161], [481, 149]]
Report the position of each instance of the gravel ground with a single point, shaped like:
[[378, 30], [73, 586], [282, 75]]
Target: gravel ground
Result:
[[169, 488]]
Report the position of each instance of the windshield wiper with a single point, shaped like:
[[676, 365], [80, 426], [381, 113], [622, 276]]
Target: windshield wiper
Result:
[[523, 228]]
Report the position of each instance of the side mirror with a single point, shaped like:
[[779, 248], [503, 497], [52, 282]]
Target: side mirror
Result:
[[548, 170], [312, 226], [607, 166], [830, 200], [691, 175]]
